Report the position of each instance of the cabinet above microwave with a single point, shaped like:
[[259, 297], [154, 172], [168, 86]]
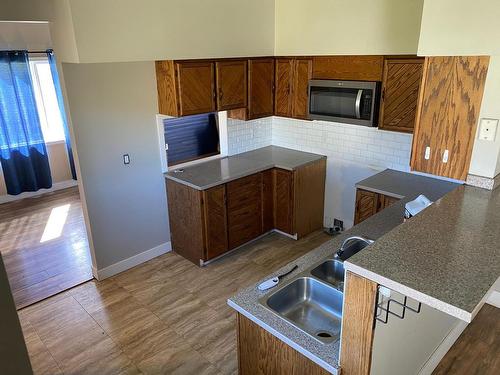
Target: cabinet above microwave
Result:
[[353, 102]]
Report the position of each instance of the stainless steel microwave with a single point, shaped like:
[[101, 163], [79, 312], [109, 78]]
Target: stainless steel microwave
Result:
[[352, 102]]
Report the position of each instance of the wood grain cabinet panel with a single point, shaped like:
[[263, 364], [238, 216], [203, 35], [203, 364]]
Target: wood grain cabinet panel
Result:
[[260, 88], [300, 90], [400, 87], [214, 205], [267, 201], [244, 209], [283, 100], [195, 85], [357, 68], [283, 201], [369, 203], [260, 353], [448, 111], [231, 80], [186, 220], [366, 205]]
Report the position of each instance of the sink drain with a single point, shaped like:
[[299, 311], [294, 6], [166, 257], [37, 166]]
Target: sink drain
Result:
[[324, 334]]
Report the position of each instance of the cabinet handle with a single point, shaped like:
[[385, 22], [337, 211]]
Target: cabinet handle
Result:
[[221, 94], [383, 94]]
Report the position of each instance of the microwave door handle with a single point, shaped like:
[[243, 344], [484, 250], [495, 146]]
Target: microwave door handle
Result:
[[358, 104]]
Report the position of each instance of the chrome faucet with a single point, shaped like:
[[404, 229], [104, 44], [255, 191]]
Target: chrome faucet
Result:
[[340, 251]]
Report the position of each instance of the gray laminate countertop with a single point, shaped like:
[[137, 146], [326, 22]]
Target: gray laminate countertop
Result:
[[218, 171], [398, 184], [447, 257]]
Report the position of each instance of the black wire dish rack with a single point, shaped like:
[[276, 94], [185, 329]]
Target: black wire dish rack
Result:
[[382, 313]]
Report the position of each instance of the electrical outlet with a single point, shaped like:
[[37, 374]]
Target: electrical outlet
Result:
[[338, 225], [488, 129], [126, 159]]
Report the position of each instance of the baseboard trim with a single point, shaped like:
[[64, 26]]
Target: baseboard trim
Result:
[[494, 299], [31, 194], [133, 261], [442, 349]]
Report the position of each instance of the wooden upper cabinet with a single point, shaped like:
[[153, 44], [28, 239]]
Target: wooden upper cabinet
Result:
[[231, 77], [400, 87], [195, 82], [283, 87], [292, 82], [356, 68], [214, 210], [260, 88], [448, 111], [300, 90]]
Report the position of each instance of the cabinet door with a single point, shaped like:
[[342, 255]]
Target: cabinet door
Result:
[[283, 90], [398, 107], [448, 111], [352, 67], [267, 201], [244, 209], [231, 78], [283, 201], [300, 91], [214, 202], [195, 85], [260, 88], [385, 201], [366, 205]]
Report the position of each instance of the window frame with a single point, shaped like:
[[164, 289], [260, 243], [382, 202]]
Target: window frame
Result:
[[33, 61]]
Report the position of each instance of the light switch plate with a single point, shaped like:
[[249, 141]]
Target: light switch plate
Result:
[[488, 129]]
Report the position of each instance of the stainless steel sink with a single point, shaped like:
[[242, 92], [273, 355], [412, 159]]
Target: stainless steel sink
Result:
[[331, 271], [311, 305]]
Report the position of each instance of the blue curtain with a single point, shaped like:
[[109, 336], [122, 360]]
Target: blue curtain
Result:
[[60, 102], [23, 154]]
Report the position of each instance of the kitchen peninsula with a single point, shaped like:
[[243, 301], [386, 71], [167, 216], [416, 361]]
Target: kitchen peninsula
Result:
[[446, 258]]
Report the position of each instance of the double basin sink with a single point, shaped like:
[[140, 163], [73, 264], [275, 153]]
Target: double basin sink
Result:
[[312, 300]]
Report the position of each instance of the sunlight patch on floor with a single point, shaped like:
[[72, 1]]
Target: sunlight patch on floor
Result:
[[55, 223]]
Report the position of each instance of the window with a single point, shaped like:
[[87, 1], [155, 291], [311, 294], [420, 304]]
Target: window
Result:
[[46, 100], [191, 137]]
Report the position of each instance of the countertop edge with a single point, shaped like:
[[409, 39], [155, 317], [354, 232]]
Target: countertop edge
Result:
[[414, 294], [379, 191], [286, 340], [235, 177]]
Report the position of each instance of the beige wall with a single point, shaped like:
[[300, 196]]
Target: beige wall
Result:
[[460, 27], [55, 11], [347, 27], [131, 30], [59, 166], [464, 27]]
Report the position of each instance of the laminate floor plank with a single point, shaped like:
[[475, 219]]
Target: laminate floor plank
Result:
[[166, 316], [477, 350], [44, 245]]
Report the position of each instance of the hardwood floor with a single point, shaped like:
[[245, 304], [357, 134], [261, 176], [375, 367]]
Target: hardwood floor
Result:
[[477, 350], [44, 245], [166, 316]]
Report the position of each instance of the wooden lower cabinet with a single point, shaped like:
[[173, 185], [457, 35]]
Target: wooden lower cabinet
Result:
[[244, 209], [206, 224], [215, 214], [283, 200], [260, 353], [369, 203]]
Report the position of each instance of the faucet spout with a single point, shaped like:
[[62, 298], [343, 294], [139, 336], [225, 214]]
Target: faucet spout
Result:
[[340, 251]]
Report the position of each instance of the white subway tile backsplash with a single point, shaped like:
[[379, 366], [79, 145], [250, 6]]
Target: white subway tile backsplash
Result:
[[362, 145]]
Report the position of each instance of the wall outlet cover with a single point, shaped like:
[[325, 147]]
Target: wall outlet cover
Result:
[[488, 129]]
